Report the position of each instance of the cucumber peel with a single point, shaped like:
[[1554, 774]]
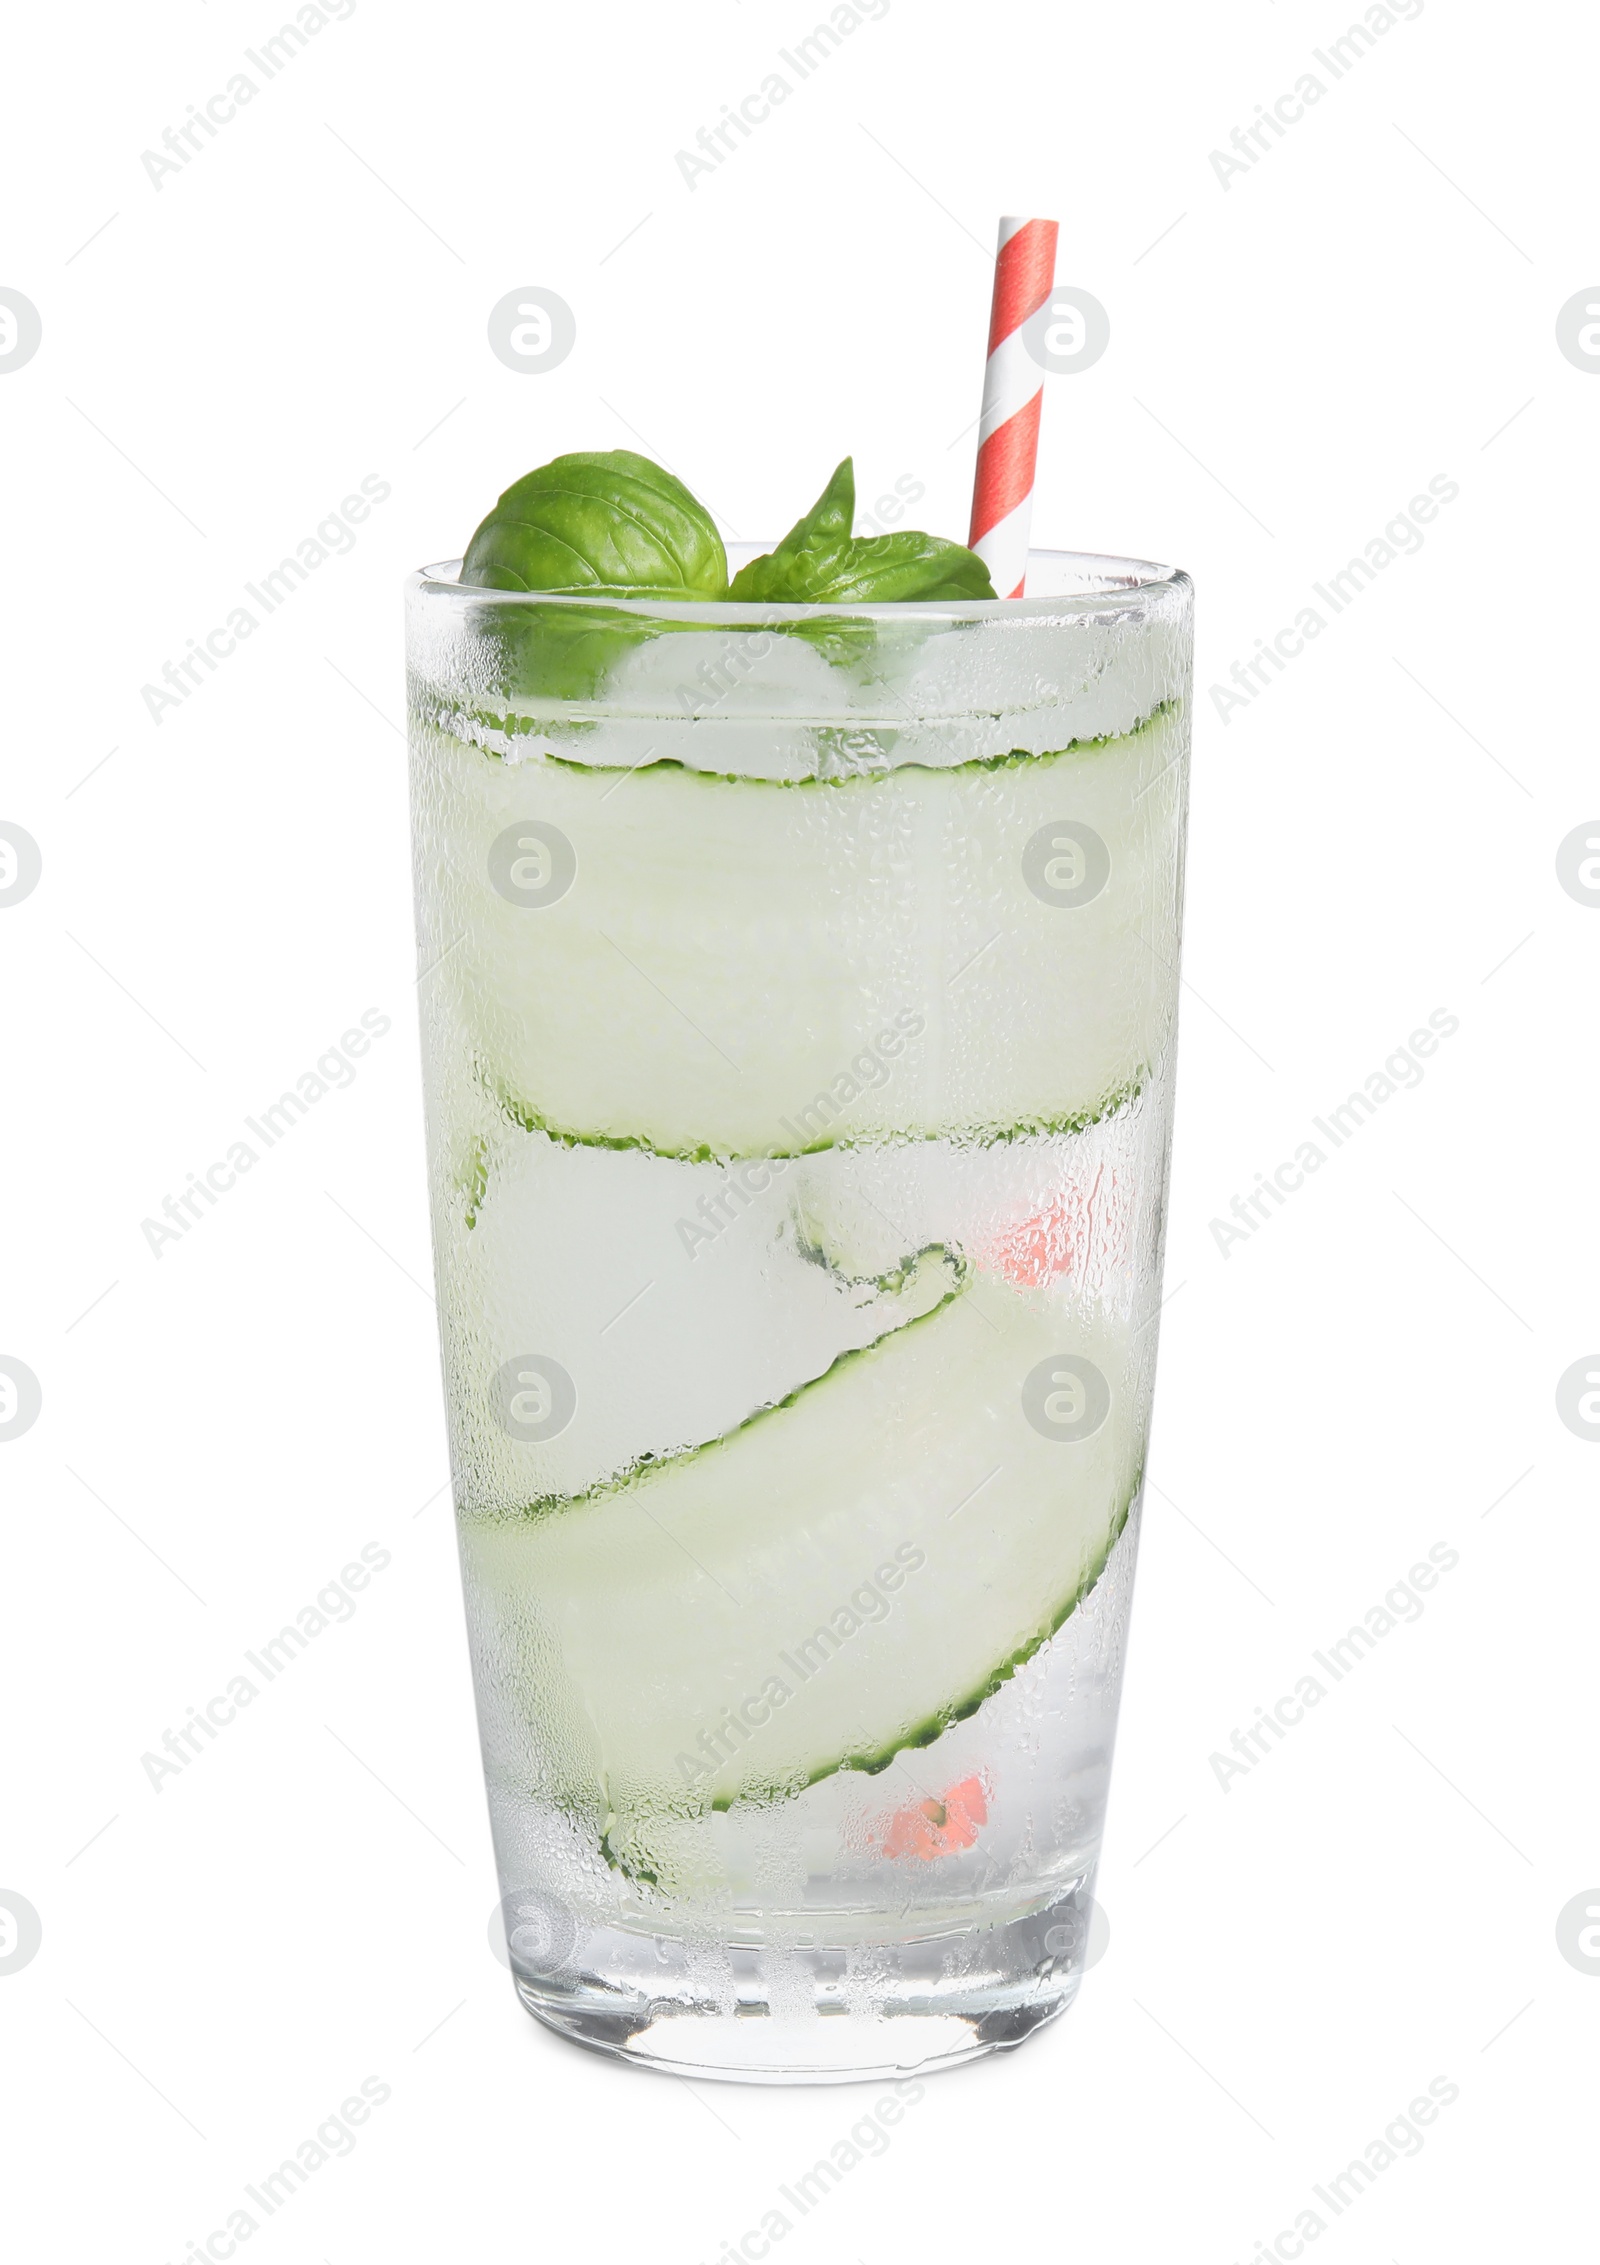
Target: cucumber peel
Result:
[[836, 1581], [746, 968]]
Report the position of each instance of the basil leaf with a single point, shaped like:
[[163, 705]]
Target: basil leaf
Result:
[[563, 652], [894, 569], [819, 562], [606, 523], [809, 551]]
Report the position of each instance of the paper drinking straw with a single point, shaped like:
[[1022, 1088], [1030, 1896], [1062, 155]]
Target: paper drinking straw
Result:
[[1013, 388]]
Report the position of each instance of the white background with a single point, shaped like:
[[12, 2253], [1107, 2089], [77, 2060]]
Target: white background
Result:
[[1293, 356]]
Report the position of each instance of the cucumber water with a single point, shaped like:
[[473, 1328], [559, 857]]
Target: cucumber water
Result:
[[798, 1044]]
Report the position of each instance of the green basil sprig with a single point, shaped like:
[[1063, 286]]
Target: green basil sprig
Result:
[[819, 561], [609, 524]]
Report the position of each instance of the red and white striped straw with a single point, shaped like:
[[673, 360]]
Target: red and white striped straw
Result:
[[1013, 389]]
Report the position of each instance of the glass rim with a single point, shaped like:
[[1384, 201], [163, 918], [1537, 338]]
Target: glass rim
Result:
[[1098, 583]]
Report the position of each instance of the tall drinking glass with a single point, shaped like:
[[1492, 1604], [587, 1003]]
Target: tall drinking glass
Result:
[[799, 994]]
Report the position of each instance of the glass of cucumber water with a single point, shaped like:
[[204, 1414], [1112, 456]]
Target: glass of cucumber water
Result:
[[799, 989]]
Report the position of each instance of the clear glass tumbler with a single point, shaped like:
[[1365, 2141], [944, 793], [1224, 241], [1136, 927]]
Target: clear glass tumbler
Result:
[[799, 994]]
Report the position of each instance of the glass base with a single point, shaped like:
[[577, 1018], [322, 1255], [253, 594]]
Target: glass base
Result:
[[810, 2013]]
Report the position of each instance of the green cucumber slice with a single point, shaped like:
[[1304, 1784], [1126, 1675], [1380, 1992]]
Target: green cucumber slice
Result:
[[720, 968], [839, 1579], [672, 1330]]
